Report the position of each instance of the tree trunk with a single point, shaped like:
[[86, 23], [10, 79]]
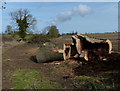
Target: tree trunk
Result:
[[48, 52]]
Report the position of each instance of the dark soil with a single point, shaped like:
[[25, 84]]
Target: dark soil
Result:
[[94, 68]]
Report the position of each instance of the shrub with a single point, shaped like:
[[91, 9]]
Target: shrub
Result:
[[53, 32], [38, 39]]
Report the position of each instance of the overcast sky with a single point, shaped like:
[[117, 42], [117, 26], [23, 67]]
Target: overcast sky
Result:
[[81, 17]]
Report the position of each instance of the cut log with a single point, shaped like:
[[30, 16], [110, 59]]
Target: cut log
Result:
[[94, 49], [49, 52], [67, 51]]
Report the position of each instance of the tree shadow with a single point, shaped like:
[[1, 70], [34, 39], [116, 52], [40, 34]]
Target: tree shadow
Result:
[[33, 58]]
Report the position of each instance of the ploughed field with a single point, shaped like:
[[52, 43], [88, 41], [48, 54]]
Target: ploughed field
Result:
[[20, 70]]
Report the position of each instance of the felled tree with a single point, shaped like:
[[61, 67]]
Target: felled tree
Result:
[[82, 47], [49, 52]]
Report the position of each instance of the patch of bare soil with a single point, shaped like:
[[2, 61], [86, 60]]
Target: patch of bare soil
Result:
[[62, 72], [23, 57]]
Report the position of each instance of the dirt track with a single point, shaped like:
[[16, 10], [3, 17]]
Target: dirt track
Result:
[[16, 58], [22, 57]]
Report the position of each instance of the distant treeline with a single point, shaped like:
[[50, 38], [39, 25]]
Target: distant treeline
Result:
[[73, 33]]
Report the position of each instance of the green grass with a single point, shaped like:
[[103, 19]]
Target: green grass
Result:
[[103, 81], [28, 36], [110, 80], [87, 83], [16, 36], [31, 79], [7, 35]]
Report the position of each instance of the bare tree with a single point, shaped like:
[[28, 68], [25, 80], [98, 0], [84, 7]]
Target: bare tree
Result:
[[24, 20]]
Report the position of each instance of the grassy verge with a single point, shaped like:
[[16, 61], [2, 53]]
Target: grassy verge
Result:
[[31, 79]]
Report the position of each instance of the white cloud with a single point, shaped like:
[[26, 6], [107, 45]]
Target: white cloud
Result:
[[81, 10], [62, 17]]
